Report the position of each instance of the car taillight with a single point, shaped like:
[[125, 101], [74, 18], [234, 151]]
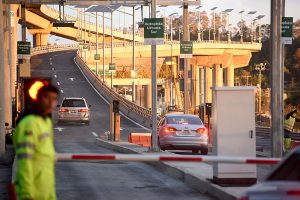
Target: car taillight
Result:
[[244, 198], [63, 110], [170, 130], [83, 110], [293, 193], [202, 131]]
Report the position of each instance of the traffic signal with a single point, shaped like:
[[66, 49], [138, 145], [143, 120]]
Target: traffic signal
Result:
[[208, 107], [31, 87]]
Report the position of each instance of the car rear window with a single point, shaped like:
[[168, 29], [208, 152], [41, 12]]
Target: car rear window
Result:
[[184, 120], [73, 103]]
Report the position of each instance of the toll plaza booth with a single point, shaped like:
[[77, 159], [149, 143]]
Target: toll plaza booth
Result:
[[233, 130]]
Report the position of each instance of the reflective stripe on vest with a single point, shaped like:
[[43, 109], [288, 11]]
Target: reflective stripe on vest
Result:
[[289, 124]]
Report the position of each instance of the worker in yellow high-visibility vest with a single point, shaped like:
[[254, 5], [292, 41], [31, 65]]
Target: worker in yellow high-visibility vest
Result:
[[289, 122], [33, 143]]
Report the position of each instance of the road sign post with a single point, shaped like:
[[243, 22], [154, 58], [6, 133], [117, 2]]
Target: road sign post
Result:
[[158, 38], [23, 49], [186, 49], [112, 69], [287, 30], [186, 62], [97, 57], [154, 31], [277, 79]]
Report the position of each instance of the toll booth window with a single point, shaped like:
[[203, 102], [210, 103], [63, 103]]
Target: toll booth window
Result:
[[73, 103], [184, 120], [288, 171]]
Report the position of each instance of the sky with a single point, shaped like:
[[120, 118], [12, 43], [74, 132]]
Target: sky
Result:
[[261, 6]]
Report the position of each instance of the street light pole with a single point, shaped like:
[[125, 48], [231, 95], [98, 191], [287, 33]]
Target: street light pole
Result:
[[242, 26], [133, 55], [154, 143], [171, 28], [277, 79], [103, 47], [111, 46], [261, 67], [214, 23], [199, 25], [186, 60], [97, 43], [171, 25]]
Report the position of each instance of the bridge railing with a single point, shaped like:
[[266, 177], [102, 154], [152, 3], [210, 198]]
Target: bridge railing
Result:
[[126, 44], [53, 48], [135, 112]]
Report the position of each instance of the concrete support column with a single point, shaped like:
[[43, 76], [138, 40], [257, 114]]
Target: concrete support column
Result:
[[197, 86], [40, 39], [201, 85], [214, 76], [148, 98], [167, 94], [230, 76], [209, 84], [138, 95], [217, 76]]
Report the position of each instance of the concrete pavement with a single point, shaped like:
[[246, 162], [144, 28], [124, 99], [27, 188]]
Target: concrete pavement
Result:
[[196, 175], [100, 180], [6, 162]]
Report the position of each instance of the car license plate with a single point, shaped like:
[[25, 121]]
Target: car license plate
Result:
[[73, 111], [184, 133]]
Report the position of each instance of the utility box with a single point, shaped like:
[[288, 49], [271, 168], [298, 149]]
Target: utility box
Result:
[[233, 127]]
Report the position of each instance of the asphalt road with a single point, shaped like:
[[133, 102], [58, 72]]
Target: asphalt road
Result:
[[99, 180]]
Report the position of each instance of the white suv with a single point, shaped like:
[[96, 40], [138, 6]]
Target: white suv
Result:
[[74, 109]]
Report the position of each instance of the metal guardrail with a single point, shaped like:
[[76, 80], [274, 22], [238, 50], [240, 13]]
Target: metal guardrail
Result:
[[126, 44], [135, 112], [53, 48], [266, 131]]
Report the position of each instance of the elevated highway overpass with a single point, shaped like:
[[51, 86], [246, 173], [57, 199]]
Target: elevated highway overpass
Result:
[[215, 61], [40, 20]]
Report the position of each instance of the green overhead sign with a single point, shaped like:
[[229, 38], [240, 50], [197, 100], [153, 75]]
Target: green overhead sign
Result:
[[97, 57], [186, 49], [287, 30], [23, 48], [154, 31], [112, 66]]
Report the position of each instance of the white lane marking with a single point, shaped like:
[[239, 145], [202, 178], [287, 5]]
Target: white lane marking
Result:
[[72, 79], [55, 76], [50, 59], [50, 63], [59, 129], [58, 83], [108, 101], [53, 68], [95, 134], [55, 55], [61, 91]]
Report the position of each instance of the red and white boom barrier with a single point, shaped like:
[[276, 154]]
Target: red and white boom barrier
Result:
[[157, 157]]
